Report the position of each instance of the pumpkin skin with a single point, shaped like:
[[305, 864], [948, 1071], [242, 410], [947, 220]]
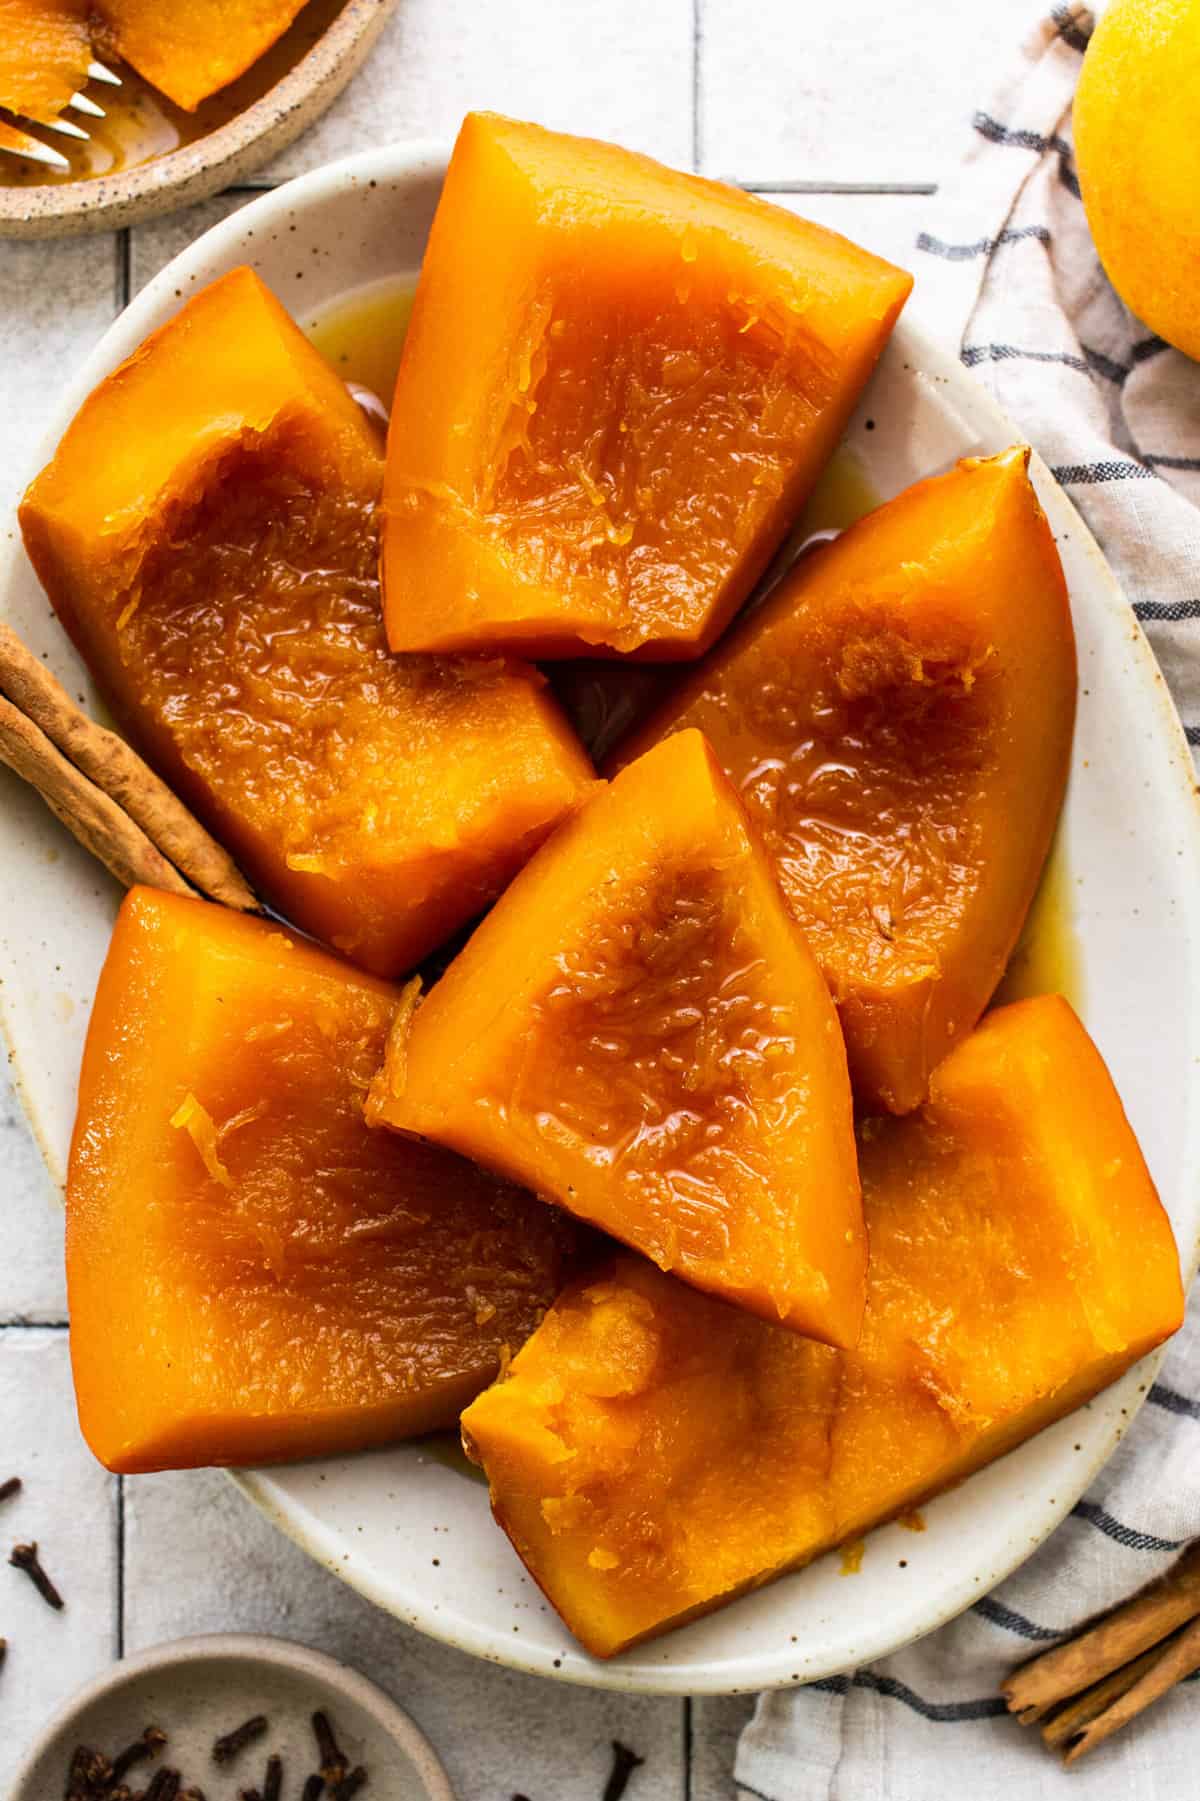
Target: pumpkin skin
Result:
[[639, 1032], [254, 1275], [618, 385], [192, 48], [653, 1454], [206, 533], [897, 719]]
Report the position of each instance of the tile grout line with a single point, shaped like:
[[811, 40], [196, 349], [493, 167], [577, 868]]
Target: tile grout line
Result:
[[124, 267], [687, 1748], [120, 1608], [765, 185]]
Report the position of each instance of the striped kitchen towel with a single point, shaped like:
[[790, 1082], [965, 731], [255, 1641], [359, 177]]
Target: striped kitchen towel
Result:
[[1006, 269]]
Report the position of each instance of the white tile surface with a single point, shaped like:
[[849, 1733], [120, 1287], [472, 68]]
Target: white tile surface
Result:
[[716, 1722], [68, 1505], [621, 69], [55, 300], [199, 1558], [866, 90], [32, 1286], [153, 245]]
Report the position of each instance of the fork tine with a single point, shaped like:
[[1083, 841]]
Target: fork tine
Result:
[[82, 104], [65, 128], [97, 72], [33, 151]]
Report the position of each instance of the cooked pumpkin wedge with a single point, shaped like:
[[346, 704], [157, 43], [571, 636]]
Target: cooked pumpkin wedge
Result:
[[206, 533], [639, 1032], [653, 1454], [618, 386], [191, 48], [255, 1275], [897, 718]]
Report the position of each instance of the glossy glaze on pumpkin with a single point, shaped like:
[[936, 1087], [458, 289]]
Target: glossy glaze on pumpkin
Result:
[[44, 54], [253, 1273], [652, 1454], [897, 718], [638, 1031], [191, 48], [619, 384], [206, 532]]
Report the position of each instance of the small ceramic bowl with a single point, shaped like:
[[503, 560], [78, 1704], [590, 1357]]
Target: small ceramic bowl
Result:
[[228, 153], [197, 1689]]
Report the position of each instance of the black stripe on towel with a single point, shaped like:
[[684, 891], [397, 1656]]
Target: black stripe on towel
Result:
[[1170, 610], [1192, 733], [1069, 28], [942, 1712], [1155, 461], [1104, 365], [961, 253], [1172, 1401], [996, 133], [1116, 470], [1122, 1534], [1145, 348], [1012, 1621], [973, 354]]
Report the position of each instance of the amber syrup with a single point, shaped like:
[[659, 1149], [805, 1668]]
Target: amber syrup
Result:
[[362, 332]]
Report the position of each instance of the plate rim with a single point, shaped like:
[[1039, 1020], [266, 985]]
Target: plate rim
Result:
[[335, 1551]]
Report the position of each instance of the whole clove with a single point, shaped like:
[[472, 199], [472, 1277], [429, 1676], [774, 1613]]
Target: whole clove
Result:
[[624, 1763], [164, 1786], [313, 1787], [10, 1488], [88, 1773], [350, 1785], [227, 1747], [333, 1758], [273, 1780], [151, 1742], [25, 1557]]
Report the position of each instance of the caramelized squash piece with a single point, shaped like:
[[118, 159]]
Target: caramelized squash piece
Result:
[[897, 718], [617, 388], [652, 1454], [639, 1032], [44, 54], [254, 1274], [191, 48], [206, 533]]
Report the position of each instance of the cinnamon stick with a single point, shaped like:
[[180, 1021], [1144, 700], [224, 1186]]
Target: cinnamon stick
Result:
[[112, 766], [1068, 1722], [1170, 1665], [99, 824], [1117, 1639]]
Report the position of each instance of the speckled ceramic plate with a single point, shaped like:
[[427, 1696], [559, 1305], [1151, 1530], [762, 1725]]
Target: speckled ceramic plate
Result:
[[226, 154], [410, 1527]]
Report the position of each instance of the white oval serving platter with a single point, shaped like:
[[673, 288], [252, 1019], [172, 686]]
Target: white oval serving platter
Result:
[[410, 1526]]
